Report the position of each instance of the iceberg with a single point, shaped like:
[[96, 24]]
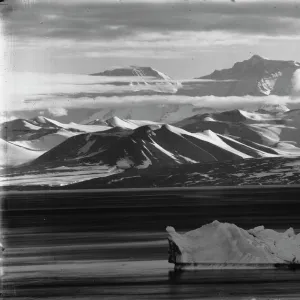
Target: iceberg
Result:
[[225, 245]]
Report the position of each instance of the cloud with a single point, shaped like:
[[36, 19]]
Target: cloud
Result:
[[22, 86], [5, 117], [143, 45], [176, 44], [59, 93], [74, 33], [57, 111], [231, 102], [109, 20]]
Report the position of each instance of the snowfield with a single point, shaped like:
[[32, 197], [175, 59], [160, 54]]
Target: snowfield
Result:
[[224, 243], [13, 155]]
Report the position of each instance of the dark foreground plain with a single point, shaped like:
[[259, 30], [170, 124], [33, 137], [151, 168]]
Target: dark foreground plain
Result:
[[96, 244]]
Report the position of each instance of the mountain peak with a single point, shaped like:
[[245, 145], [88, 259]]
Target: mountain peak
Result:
[[131, 71], [258, 76], [39, 119], [256, 57]]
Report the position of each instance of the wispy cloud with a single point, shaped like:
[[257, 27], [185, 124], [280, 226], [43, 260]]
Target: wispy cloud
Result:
[[104, 20], [139, 29], [144, 45], [79, 36]]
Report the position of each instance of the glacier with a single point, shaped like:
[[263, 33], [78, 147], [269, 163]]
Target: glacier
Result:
[[225, 245]]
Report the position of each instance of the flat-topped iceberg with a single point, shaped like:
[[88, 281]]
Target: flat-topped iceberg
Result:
[[225, 244]]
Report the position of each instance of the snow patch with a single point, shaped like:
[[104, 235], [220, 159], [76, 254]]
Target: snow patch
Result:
[[146, 163], [170, 154], [86, 147], [125, 163], [188, 159]]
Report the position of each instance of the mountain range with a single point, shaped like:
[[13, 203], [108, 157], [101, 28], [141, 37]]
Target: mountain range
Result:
[[174, 140], [256, 76], [238, 132], [122, 146]]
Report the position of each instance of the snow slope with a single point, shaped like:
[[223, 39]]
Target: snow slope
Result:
[[227, 243], [13, 155], [18, 128], [128, 124], [273, 108], [73, 126], [273, 130], [46, 142]]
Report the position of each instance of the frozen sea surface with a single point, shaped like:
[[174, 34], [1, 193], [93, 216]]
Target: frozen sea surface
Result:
[[60, 277], [79, 245]]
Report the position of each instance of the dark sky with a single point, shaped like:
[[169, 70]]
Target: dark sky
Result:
[[182, 38]]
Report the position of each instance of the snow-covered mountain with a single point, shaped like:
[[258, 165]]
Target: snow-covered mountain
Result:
[[224, 243], [133, 71], [22, 129], [162, 113], [23, 140], [235, 139], [142, 80], [273, 108], [256, 76], [279, 131], [148, 146]]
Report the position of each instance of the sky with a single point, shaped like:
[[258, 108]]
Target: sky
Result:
[[182, 38], [44, 41]]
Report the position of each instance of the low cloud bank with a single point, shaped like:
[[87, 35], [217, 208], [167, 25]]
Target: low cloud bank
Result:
[[55, 93], [232, 102]]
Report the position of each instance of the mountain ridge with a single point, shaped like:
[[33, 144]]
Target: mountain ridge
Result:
[[258, 76]]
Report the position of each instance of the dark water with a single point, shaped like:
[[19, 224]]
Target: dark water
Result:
[[93, 245]]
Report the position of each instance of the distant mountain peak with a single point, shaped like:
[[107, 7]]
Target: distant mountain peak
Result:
[[273, 108], [131, 71], [257, 57], [258, 76]]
